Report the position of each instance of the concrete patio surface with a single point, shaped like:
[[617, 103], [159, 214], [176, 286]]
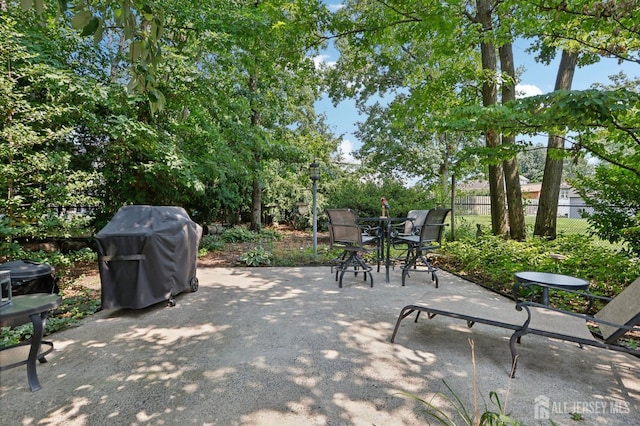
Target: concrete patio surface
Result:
[[286, 346]]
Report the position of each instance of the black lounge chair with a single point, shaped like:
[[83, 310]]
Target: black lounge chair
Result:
[[617, 317]]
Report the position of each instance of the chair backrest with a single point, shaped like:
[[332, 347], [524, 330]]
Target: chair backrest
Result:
[[343, 227], [342, 217], [624, 309], [433, 227], [415, 222]]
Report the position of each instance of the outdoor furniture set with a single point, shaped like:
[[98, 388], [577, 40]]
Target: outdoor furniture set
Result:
[[421, 233], [619, 315], [416, 235]]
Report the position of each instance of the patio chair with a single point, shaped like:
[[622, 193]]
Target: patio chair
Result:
[[344, 232], [411, 226], [620, 315], [429, 239]]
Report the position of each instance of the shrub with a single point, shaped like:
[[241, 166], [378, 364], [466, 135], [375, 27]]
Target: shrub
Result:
[[493, 261], [238, 234], [211, 243], [256, 257], [614, 194]]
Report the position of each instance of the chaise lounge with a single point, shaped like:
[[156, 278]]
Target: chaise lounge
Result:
[[617, 317]]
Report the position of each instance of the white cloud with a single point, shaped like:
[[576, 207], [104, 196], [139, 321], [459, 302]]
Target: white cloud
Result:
[[320, 60], [526, 90], [345, 150], [334, 7]]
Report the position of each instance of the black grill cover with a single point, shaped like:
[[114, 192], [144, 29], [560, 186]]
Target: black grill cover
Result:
[[147, 254], [31, 277]]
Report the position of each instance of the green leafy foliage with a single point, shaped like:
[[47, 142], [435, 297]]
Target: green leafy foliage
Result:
[[364, 197], [238, 234], [211, 243], [493, 261], [487, 417], [614, 194], [257, 257], [40, 109]]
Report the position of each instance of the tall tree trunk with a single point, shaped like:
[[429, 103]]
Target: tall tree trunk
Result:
[[443, 169], [517, 228], [546, 219], [256, 193], [490, 97]]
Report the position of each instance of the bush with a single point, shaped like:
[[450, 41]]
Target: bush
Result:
[[211, 243], [614, 194], [256, 257], [493, 261], [238, 234]]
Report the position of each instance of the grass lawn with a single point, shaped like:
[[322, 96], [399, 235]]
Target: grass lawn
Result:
[[564, 225]]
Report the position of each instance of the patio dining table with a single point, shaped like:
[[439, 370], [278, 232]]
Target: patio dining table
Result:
[[34, 308], [384, 242]]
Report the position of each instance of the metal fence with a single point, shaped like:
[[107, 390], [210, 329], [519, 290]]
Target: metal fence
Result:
[[476, 210]]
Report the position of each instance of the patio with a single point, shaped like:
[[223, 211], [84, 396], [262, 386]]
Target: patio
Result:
[[286, 346]]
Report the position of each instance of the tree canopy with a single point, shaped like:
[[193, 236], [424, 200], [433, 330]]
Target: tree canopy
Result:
[[211, 105]]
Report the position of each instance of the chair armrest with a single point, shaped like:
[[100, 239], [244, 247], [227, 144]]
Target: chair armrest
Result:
[[397, 229], [525, 305], [370, 230]]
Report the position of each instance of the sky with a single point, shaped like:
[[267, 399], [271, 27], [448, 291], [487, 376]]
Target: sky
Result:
[[536, 79]]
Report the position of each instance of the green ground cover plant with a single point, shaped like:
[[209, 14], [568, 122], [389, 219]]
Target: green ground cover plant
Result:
[[492, 261]]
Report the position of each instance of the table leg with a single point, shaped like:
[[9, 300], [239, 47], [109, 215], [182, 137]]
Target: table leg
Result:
[[388, 254], [545, 296], [38, 321]]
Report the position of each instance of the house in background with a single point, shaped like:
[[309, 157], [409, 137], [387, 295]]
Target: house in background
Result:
[[570, 204], [577, 206]]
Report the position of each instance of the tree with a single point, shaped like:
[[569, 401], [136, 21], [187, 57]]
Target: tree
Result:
[[38, 108], [584, 31], [614, 195], [489, 98], [531, 162], [517, 227], [386, 66], [199, 150], [422, 61], [548, 204]]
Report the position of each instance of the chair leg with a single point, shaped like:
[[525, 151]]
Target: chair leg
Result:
[[430, 268], [411, 262], [358, 264], [365, 269], [407, 266]]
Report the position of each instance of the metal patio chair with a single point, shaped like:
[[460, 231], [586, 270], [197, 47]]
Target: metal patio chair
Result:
[[346, 233], [419, 246], [410, 227]]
